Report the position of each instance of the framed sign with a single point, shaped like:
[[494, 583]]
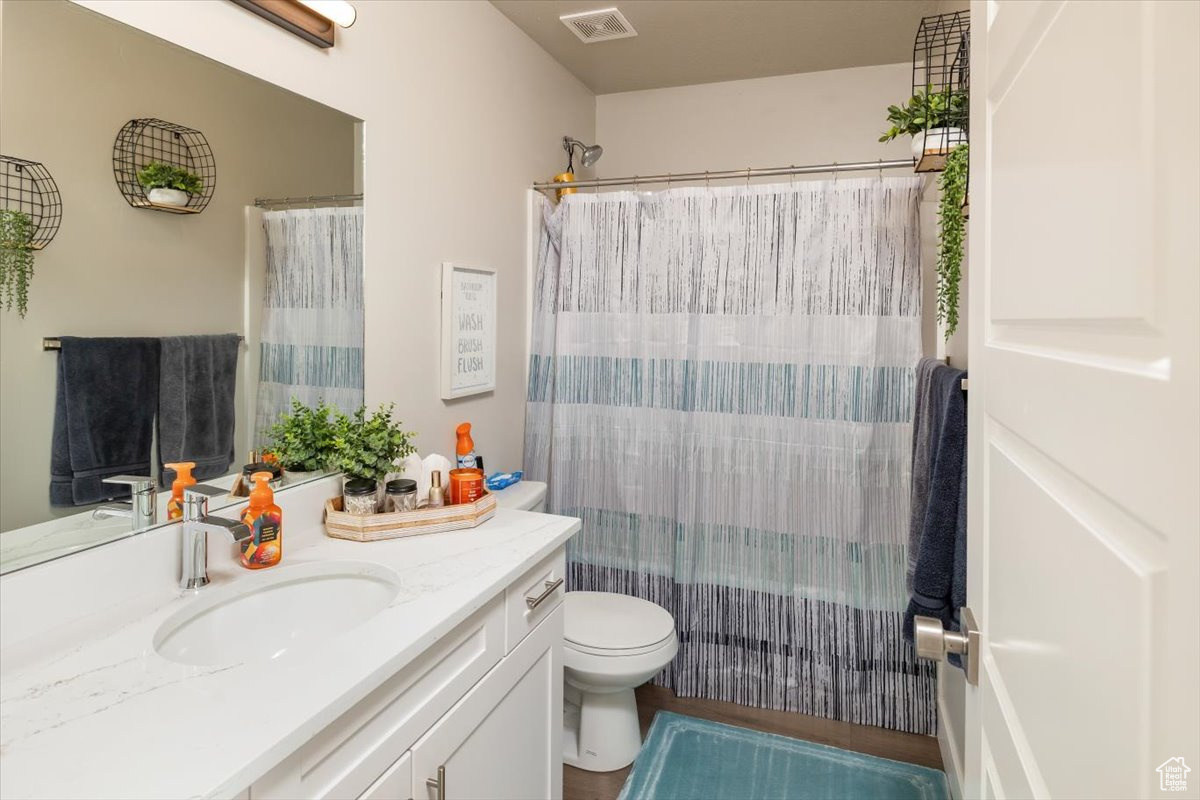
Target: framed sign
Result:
[[468, 330]]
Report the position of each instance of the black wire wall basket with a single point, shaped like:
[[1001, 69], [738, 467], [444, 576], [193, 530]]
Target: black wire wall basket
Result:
[[166, 148], [940, 76], [27, 187], [962, 73]]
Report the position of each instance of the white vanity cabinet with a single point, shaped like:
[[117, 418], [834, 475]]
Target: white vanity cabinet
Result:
[[481, 708]]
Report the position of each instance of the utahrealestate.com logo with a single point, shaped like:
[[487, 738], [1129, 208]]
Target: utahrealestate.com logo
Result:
[[1172, 775]]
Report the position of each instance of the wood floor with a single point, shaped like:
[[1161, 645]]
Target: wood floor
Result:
[[579, 784]]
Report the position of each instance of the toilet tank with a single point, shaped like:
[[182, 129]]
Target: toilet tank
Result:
[[523, 496]]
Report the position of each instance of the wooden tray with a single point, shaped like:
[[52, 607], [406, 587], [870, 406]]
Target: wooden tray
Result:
[[396, 524]]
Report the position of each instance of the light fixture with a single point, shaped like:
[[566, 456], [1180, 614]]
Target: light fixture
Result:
[[315, 21], [339, 11]]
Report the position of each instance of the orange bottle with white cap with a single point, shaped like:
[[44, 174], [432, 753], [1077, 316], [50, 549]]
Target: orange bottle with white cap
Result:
[[465, 448]]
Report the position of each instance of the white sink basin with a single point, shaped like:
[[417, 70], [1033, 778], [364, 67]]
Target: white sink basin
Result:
[[264, 614]]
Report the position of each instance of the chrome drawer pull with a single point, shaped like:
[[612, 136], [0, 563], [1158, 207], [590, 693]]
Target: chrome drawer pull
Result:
[[534, 602], [438, 783]]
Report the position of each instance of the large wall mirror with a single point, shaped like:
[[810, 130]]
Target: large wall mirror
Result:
[[173, 335]]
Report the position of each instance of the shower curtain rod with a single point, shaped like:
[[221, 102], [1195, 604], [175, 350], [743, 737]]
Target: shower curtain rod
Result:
[[746, 173], [263, 202]]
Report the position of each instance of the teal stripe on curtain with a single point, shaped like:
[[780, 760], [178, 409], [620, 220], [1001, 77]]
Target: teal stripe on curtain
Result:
[[312, 365], [810, 391]]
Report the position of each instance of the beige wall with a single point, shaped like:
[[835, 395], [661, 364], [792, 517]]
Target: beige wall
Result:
[[764, 122], [71, 79], [811, 118], [462, 112]]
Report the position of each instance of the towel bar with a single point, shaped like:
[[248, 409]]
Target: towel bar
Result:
[[53, 342]]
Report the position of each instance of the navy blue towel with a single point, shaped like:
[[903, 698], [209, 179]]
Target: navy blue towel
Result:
[[103, 417], [939, 586], [196, 410]]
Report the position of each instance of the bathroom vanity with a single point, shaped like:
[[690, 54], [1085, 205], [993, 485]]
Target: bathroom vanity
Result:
[[426, 667]]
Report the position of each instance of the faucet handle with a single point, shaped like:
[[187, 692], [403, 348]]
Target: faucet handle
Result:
[[196, 497], [200, 490], [138, 484]]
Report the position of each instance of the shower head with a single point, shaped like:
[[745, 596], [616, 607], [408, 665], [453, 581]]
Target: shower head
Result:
[[589, 154], [592, 154]]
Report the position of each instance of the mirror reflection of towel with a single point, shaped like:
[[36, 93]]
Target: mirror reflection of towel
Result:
[[196, 409], [103, 416]]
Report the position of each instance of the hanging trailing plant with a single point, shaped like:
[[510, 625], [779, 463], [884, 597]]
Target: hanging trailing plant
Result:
[[16, 259], [951, 233]]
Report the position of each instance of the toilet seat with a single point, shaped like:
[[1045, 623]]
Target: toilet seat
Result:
[[606, 624], [609, 652]]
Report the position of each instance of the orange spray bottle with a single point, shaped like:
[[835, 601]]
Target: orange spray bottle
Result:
[[465, 447], [183, 479], [265, 520]]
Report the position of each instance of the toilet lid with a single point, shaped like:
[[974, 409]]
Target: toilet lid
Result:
[[607, 621]]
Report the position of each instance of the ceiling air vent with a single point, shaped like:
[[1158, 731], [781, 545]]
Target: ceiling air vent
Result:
[[599, 26]]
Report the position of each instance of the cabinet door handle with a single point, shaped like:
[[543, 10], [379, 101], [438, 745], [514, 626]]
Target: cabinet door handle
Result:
[[534, 602], [438, 783]]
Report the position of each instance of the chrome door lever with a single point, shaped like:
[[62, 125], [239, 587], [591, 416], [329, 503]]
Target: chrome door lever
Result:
[[934, 643]]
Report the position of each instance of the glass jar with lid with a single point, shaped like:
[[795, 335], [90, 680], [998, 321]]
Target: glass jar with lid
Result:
[[360, 496], [401, 495]]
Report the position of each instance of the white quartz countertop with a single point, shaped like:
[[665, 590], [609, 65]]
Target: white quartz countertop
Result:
[[103, 715]]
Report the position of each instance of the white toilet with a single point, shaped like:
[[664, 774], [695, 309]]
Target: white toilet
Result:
[[613, 643]]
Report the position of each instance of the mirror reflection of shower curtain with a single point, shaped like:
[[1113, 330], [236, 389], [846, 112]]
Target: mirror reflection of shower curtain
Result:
[[312, 323], [721, 388]]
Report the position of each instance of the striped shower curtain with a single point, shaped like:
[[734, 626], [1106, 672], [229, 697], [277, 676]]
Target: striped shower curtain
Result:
[[312, 323], [721, 387]]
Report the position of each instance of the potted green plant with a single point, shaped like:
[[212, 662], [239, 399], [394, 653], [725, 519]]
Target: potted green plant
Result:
[[369, 446], [935, 120], [951, 235], [168, 185], [302, 441], [16, 259]]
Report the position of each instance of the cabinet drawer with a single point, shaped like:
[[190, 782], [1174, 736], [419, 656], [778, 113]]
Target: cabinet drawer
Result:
[[346, 758], [537, 583], [395, 784]]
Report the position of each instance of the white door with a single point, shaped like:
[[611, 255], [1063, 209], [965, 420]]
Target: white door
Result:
[[503, 741], [1083, 405]]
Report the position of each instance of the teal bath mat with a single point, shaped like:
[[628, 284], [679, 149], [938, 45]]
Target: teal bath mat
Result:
[[684, 758]]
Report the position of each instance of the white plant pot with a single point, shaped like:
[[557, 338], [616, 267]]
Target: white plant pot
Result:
[[937, 141], [168, 197], [290, 477]]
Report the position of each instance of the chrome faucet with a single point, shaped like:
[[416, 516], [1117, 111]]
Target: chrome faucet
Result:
[[142, 506], [197, 524]]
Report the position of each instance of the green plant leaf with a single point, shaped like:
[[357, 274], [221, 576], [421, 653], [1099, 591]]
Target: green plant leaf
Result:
[[951, 235], [157, 175], [16, 259], [368, 446]]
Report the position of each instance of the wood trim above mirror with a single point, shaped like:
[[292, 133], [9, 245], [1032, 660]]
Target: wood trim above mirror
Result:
[[294, 17]]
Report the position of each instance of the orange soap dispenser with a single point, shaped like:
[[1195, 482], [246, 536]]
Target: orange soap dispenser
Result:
[[265, 520], [183, 479]]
